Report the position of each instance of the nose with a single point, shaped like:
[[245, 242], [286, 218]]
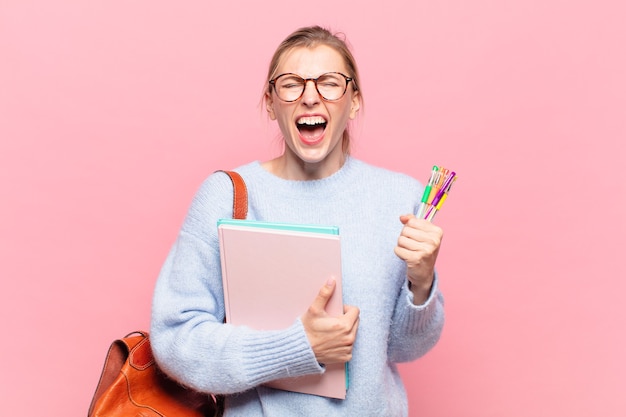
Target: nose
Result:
[[310, 96]]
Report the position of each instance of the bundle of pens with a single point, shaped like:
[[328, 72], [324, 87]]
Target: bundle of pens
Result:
[[436, 192]]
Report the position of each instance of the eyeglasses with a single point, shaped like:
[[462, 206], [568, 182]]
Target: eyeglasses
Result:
[[330, 86]]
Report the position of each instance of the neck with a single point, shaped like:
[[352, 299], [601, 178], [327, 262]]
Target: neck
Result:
[[298, 170]]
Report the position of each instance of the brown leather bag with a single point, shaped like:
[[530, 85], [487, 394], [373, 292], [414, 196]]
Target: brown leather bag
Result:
[[131, 383]]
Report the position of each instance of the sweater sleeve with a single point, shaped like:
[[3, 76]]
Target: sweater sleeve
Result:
[[189, 339], [415, 329]]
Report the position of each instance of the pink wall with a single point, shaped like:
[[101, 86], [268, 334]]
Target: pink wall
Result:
[[112, 113]]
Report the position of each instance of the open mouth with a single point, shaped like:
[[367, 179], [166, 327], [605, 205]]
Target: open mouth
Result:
[[311, 127]]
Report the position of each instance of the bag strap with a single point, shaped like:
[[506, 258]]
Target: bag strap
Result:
[[136, 344], [240, 195]]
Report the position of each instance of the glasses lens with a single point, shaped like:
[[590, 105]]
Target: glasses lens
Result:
[[289, 87], [331, 86]]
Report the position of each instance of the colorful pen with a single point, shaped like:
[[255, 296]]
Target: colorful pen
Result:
[[426, 195], [435, 192], [440, 193], [444, 195]]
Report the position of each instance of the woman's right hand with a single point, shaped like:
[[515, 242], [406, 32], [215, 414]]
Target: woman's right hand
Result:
[[331, 338]]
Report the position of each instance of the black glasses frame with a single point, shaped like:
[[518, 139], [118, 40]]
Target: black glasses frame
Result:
[[306, 80]]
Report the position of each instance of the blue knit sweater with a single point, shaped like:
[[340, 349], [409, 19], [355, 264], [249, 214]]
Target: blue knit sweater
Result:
[[192, 345]]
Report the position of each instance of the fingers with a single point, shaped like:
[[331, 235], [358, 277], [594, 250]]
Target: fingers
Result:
[[335, 338], [409, 220], [331, 338], [417, 232], [418, 245], [353, 318], [319, 303], [351, 312], [406, 217]]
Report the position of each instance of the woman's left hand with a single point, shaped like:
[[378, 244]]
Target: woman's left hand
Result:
[[418, 245]]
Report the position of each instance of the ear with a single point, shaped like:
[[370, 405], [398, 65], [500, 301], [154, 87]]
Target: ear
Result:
[[269, 105], [355, 104]]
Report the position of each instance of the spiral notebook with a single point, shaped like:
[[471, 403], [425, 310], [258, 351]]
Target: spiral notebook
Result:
[[271, 274]]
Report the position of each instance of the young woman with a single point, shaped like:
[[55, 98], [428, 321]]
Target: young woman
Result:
[[394, 310]]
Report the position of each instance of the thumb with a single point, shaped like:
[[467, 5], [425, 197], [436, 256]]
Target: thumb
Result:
[[406, 217], [319, 304]]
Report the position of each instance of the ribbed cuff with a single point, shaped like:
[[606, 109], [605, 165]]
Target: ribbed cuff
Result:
[[417, 318], [278, 354]]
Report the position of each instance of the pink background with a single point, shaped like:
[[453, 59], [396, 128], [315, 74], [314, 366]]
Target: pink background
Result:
[[113, 112]]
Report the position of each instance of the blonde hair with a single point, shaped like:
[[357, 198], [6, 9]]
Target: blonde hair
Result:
[[310, 37]]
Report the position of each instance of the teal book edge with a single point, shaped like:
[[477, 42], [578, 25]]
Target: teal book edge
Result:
[[292, 227]]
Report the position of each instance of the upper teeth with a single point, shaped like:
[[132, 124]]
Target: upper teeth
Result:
[[313, 120]]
